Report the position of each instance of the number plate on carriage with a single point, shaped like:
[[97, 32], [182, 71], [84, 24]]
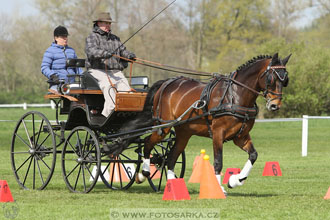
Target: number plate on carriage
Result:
[[126, 101]]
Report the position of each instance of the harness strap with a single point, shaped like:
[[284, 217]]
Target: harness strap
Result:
[[163, 87]]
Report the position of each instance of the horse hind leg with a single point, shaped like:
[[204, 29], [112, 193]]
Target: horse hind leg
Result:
[[246, 145]]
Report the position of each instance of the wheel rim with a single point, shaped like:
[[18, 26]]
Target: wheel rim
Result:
[[158, 163], [33, 151], [119, 173], [81, 160]]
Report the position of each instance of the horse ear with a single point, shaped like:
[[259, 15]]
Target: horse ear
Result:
[[275, 58], [286, 59]]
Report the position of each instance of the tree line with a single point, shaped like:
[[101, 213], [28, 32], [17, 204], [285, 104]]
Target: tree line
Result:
[[207, 35]]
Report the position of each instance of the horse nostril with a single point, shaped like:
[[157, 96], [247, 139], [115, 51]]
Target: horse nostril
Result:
[[274, 107]]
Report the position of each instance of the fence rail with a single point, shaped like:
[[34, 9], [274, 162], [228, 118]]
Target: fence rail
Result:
[[25, 105], [304, 119]]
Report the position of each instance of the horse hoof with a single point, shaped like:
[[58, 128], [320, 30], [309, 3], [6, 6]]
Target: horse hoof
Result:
[[145, 173], [224, 191], [234, 181], [140, 178]]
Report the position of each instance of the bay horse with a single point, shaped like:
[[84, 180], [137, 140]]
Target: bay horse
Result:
[[227, 112]]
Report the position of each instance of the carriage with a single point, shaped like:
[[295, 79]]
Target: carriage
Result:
[[82, 138], [150, 127]]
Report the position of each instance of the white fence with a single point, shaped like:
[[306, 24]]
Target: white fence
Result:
[[25, 105], [304, 141]]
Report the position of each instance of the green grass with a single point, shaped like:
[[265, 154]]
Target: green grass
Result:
[[298, 194]]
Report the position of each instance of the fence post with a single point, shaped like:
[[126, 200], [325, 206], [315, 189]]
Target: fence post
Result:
[[304, 136], [52, 104], [24, 106]]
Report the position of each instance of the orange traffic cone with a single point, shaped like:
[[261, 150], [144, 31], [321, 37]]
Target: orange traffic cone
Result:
[[209, 187], [176, 189], [117, 173], [198, 158], [5, 194], [327, 196], [197, 168]]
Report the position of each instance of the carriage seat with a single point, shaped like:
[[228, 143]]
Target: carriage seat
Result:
[[72, 63]]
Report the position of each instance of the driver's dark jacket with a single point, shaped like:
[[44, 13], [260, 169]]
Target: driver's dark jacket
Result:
[[99, 47]]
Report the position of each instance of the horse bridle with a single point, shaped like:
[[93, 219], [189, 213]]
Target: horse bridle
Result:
[[271, 79]]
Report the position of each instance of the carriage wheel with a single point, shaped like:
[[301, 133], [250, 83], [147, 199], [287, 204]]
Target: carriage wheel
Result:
[[119, 172], [158, 163], [33, 151], [81, 160]]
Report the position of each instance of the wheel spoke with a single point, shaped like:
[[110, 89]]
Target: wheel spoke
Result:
[[90, 173], [79, 143], [28, 170], [34, 172], [30, 147], [130, 175], [44, 140], [43, 161], [128, 158], [112, 174], [40, 173], [89, 151], [72, 170], [23, 164], [85, 143], [27, 133], [74, 150], [106, 168], [83, 176], [160, 179], [75, 185], [152, 176], [33, 130], [119, 173], [40, 127], [21, 152]]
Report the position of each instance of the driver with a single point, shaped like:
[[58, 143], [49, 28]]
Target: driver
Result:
[[53, 64], [101, 44]]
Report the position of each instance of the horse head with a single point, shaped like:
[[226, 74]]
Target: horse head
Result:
[[272, 81]]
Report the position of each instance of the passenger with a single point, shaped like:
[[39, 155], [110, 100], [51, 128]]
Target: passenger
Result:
[[53, 64], [107, 69]]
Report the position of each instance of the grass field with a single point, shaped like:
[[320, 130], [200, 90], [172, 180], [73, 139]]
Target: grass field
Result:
[[298, 194]]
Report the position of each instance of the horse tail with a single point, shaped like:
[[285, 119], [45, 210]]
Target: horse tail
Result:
[[143, 119]]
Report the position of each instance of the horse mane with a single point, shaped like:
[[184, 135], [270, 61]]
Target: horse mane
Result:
[[252, 61]]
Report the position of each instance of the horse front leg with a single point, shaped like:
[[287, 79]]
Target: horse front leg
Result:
[[246, 145]]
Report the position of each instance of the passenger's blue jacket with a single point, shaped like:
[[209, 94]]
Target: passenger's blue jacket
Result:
[[54, 62]]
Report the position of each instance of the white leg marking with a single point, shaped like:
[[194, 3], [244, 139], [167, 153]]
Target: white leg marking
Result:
[[146, 165], [218, 176], [170, 175]]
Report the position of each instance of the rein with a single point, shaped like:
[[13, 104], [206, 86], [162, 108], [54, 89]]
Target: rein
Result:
[[245, 86], [166, 67]]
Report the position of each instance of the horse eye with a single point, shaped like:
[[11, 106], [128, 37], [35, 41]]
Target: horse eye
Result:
[[285, 82]]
